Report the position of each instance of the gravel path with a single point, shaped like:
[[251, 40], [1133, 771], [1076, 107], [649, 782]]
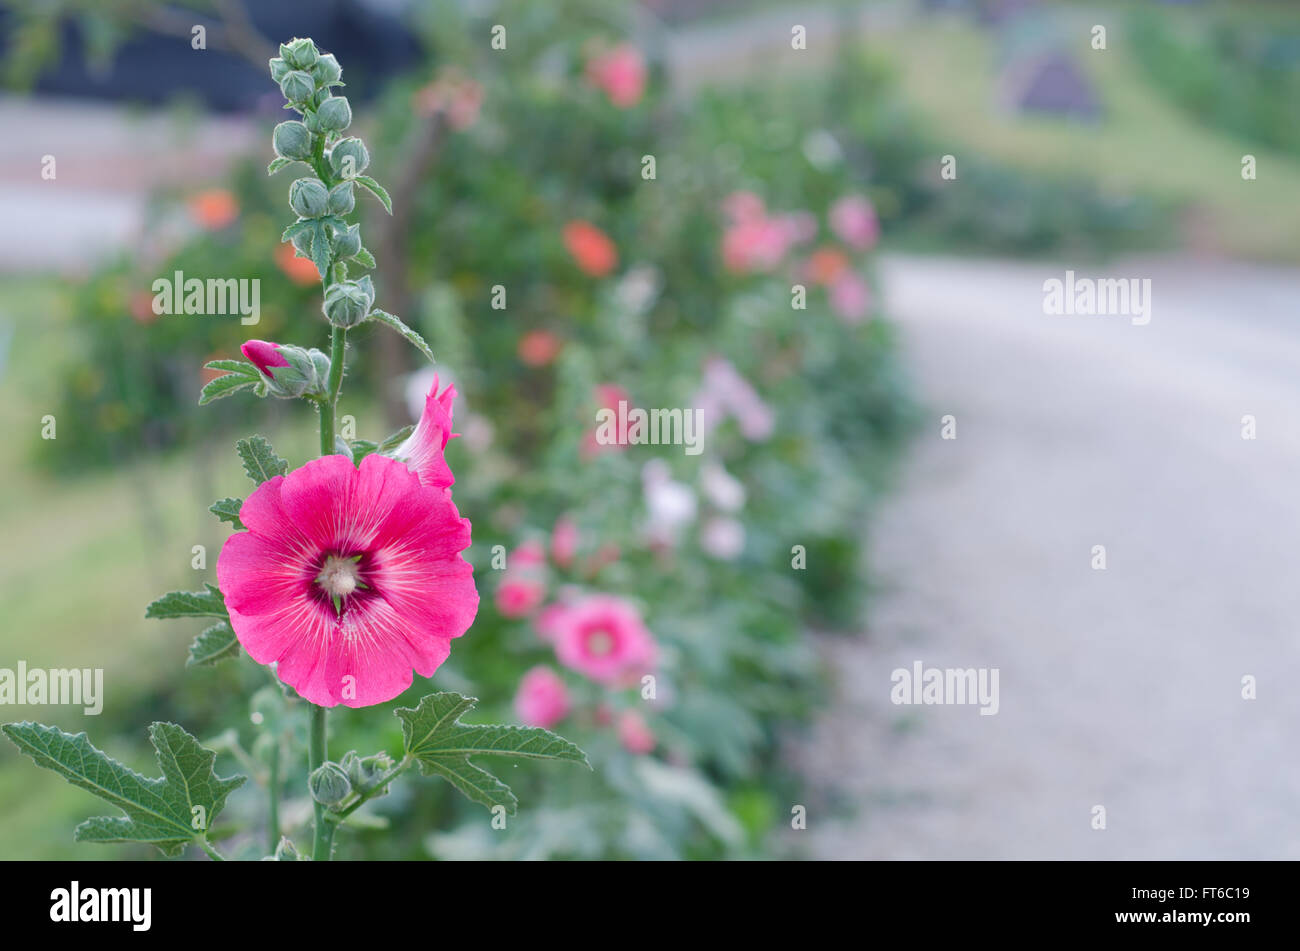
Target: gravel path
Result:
[[1121, 687]]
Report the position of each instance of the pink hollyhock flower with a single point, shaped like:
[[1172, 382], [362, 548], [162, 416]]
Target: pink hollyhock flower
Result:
[[755, 245], [517, 597], [633, 733], [263, 355], [854, 219], [542, 699], [423, 449], [347, 579], [528, 554], [620, 73], [850, 297], [564, 541], [608, 396], [604, 638]]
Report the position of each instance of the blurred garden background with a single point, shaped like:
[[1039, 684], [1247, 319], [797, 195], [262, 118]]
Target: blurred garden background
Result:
[[826, 534]]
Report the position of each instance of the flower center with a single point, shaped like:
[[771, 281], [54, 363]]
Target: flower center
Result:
[[599, 643], [339, 577]]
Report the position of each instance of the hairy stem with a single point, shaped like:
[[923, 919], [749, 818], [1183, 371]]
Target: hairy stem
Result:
[[316, 755]]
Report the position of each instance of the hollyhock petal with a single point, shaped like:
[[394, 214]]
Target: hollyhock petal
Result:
[[423, 449], [263, 355]]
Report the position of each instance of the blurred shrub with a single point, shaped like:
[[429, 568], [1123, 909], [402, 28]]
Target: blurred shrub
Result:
[[1239, 74]]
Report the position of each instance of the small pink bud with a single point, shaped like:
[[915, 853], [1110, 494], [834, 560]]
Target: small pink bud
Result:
[[263, 355]]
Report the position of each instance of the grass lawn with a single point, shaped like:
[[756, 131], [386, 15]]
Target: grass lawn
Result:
[[948, 70]]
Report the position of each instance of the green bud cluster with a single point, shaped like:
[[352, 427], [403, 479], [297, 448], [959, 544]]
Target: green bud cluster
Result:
[[307, 76]]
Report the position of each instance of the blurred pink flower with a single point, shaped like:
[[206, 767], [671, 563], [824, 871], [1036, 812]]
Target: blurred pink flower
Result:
[[604, 638], [528, 554], [564, 541], [755, 245], [724, 391], [620, 73], [542, 699], [608, 396], [850, 297], [854, 219], [517, 597], [634, 734]]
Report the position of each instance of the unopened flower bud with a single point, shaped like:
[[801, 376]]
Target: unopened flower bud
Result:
[[286, 851], [364, 771], [334, 114], [297, 86], [278, 69], [326, 70], [292, 140], [329, 784], [289, 372], [349, 158], [341, 199], [300, 53], [347, 303], [347, 243], [308, 197]]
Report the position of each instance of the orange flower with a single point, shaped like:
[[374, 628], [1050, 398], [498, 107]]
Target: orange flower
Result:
[[591, 248], [214, 209], [299, 270], [537, 348], [825, 265]]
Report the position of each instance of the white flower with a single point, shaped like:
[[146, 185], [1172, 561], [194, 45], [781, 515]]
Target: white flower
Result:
[[723, 538], [722, 488]]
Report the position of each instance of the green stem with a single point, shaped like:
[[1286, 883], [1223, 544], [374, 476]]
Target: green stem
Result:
[[207, 847], [316, 755], [363, 798], [273, 803]]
